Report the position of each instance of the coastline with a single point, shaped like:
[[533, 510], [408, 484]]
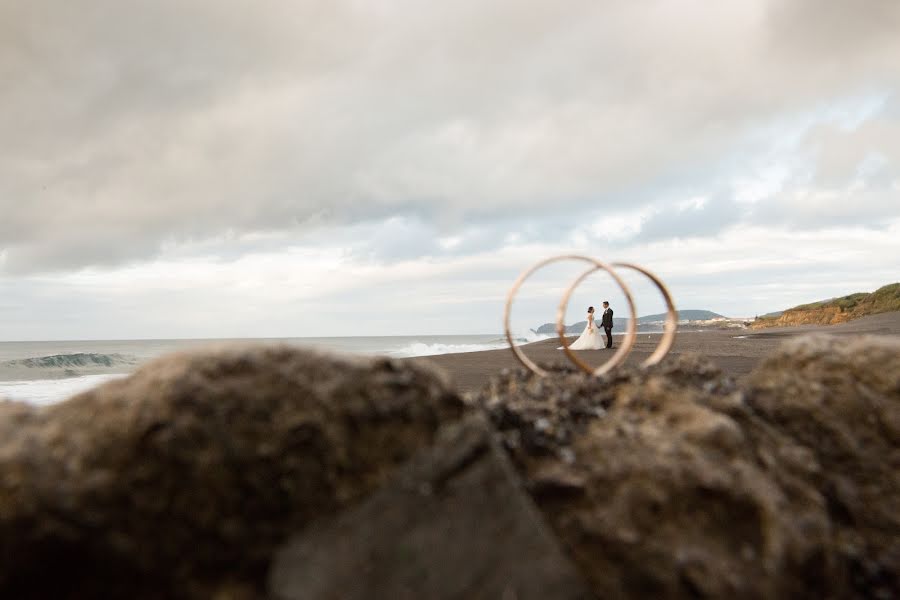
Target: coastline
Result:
[[735, 352], [28, 361]]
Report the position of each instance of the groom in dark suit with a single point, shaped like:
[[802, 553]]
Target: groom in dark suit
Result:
[[607, 323]]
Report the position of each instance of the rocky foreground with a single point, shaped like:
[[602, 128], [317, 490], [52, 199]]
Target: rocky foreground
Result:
[[273, 472]]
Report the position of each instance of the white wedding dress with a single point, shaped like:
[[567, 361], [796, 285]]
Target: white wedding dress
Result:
[[591, 338]]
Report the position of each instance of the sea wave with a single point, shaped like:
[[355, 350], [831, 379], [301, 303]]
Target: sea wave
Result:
[[50, 391], [421, 349], [69, 361], [425, 349]]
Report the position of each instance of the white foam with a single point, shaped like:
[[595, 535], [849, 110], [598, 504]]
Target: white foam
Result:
[[424, 349], [421, 349], [50, 391]]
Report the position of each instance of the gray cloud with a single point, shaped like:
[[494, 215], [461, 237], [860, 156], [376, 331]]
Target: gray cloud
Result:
[[130, 126], [853, 178], [708, 219], [741, 273]]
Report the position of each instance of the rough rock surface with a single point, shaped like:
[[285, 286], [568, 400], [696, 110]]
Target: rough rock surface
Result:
[[677, 482], [180, 480], [453, 523], [184, 479], [840, 398]]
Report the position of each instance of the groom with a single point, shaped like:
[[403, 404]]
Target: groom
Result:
[[607, 323]]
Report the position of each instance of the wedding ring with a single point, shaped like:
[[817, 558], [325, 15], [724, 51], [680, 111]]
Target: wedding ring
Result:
[[507, 309], [671, 323], [626, 345]]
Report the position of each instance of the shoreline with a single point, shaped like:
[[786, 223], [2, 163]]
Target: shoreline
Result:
[[735, 352], [14, 372]]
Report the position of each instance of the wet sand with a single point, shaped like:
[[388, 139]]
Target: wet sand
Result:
[[735, 351]]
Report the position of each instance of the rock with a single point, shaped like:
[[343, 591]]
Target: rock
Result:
[[189, 477], [687, 484], [840, 398], [538, 416], [182, 479], [453, 523]]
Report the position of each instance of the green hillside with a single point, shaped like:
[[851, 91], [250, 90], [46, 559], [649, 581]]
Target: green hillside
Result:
[[884, 299], [845, 303], [837, 310]]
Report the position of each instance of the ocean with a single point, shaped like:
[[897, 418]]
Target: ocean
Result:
[[47, 372]]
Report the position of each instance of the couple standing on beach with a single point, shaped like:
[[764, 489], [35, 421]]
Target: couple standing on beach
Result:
[[591, 338]]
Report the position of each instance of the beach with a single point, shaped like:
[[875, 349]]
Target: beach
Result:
[[736, 352], [48, 372], [45, 372]]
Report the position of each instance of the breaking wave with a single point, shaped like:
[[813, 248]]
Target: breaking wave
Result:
[[50, 391], [424, 349], [69, 361]]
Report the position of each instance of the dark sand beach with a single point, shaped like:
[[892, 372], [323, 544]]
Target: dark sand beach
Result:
[[735, 351]]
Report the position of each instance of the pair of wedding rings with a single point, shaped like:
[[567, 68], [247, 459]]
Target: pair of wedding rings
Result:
[[627, 343]]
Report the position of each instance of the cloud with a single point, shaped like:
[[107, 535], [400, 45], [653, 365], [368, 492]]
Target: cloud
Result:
[[851, 176], [284, 291], [129, 128], [702, 217]]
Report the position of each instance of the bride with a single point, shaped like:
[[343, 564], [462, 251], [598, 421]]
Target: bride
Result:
[[590, 339]]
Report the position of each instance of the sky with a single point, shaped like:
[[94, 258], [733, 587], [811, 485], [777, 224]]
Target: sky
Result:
[[224, 168]]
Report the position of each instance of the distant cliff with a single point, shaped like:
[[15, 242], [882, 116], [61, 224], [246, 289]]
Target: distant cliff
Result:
[[836, 310]]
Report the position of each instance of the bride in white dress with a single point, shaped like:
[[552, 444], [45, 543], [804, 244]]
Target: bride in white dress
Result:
[[590, 339]]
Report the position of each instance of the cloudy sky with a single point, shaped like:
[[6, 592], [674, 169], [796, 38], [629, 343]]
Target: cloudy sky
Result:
[[217, 168]]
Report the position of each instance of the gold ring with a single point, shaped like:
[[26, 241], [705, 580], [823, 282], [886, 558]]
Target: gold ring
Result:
[[665, 344], [671, 324], [624, 347], [507, 309]]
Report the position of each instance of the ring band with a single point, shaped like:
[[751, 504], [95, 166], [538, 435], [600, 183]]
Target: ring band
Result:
[[626, 345], [670, 326]]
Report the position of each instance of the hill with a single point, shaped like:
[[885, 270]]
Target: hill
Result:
[[684, 315], [645, 323], [835, 310]]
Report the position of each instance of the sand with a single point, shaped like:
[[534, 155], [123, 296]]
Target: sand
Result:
[[734, 351]]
